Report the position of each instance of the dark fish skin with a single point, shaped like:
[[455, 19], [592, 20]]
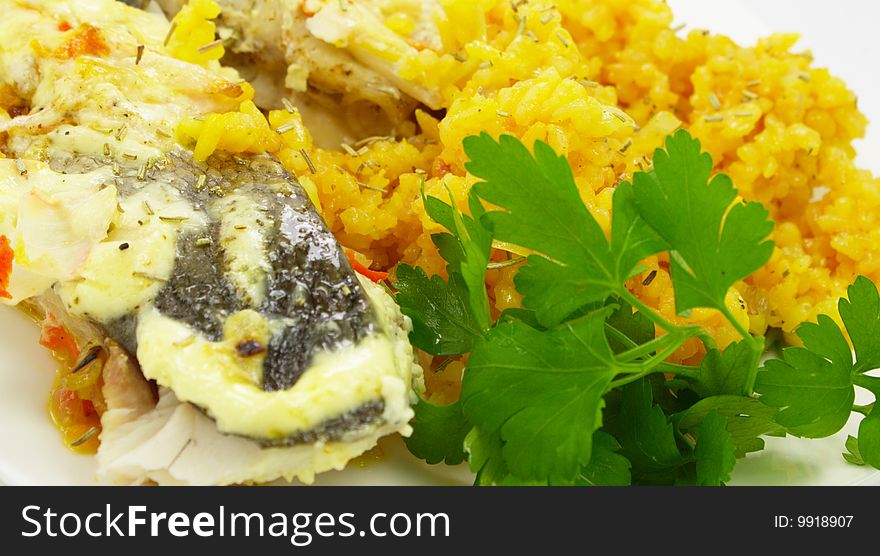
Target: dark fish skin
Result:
[[329, 307], [198, 293], [140, 4], [336, 428], [310, 283]]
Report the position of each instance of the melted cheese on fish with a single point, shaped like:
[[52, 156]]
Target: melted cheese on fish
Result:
[[126, 271], [243, 236], [334, 383]]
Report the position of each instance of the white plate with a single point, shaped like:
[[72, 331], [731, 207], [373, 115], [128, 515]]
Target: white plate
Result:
[[31, 451]]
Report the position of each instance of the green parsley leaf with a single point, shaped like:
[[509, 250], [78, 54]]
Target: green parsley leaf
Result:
[[526, 316], [442, 321], [869, 439], [861, 315], [814, 384], [466, 249], [632, 239], [714, 452], [747, 420], [714, 244], [724, 373], [487, 463], [577, 265], [484, 457], [869, 383], [543, 391], [852, 455], [449, 248], [449, 316], [438, 433], [627, 329], [607, 467], [646, 436]]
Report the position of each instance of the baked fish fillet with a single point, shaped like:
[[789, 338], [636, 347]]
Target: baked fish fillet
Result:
[[340, 52], [216, 280]]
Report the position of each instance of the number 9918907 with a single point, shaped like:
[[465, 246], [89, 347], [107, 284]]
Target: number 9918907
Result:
[[820, 521]]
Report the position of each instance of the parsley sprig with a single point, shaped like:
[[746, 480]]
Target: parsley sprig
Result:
[[574, 388]]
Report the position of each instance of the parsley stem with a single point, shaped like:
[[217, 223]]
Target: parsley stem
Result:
[[648, 366], [631, 378], [679, 370], [676, 337], [707, 339], [757, 345], [757, 348], [657, 319], [671, 368], [647, 311], [687, 438], [629, 368], [863, 409], [736, 324]]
